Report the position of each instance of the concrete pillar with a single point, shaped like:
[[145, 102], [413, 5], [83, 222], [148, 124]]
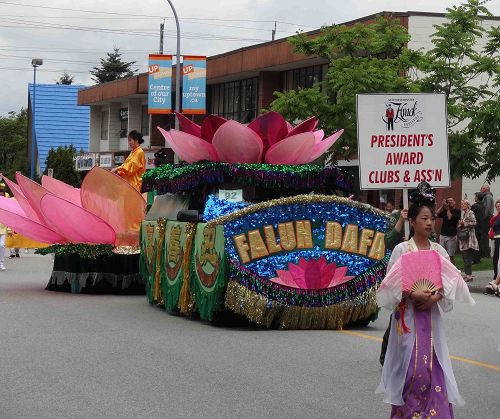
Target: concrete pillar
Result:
[[114, 126], [95, 130]]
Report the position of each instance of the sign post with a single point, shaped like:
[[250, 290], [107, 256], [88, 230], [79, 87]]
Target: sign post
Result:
[[402, 141]]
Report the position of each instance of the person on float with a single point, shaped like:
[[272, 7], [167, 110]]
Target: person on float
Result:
[[134, 166], [417, 377]]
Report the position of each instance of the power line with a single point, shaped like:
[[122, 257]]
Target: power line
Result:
[[150, 16], [187, 20]]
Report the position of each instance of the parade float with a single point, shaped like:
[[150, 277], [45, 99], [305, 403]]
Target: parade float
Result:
[[247, 225], [92, 231]]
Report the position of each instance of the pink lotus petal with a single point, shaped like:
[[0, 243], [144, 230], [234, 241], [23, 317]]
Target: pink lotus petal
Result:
[[323, 263], [334, 282], [115, 201], [318, 136], [78, 225], [188, 126], [236, 143], [188, 147], [62, 190], [324, 145], [271, 128], [210, 125], [312, 276], [33, 193], [289, 126], [291, 150], [308, 125], [298, 275], [284, 278], [302, 263], [23, 202], [12, 215]]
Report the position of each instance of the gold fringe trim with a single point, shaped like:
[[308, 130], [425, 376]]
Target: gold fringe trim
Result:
[[157, 288], [265, 312], [186, 299], [298, 199]]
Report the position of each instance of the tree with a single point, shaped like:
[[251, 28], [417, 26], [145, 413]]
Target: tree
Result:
[[470, 78], [112, 68], [13, 143], [362, 59], [62, 161], [65, 78]]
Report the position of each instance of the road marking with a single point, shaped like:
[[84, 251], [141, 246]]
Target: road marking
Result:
[[455, 358]]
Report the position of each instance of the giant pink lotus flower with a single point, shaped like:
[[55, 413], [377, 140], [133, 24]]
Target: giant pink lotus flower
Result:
[[268, 138], [312, 275], [106, 210]]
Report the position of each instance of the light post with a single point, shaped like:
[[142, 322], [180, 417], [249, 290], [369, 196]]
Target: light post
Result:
[[35, 62], [177, 67]]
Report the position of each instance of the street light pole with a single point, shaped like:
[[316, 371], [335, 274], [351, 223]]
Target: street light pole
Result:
[[35, 62], [177, 67]]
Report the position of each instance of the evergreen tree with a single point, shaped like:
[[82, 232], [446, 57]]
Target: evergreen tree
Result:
[[62, 161], [13, 143], [65, 78], [362, 59], [112, 68]]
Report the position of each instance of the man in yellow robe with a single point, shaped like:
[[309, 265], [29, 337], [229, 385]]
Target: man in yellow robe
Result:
[[134, 166]]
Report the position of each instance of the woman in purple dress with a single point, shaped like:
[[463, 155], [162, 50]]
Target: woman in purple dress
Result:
[[417, 377]]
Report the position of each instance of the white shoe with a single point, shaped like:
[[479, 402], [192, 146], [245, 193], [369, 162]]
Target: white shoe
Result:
[[2, 267]]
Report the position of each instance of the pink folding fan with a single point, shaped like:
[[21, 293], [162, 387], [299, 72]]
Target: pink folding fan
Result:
[[421, 271]]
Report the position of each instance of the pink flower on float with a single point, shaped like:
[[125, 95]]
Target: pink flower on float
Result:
[[268, 138], [312, 274]]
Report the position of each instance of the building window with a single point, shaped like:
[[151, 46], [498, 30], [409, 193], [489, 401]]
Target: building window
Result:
[[144, 120], [236, 100], [104, 125], [301, 78]]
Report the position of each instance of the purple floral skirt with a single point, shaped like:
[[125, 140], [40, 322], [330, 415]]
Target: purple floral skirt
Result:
[[424, 391]]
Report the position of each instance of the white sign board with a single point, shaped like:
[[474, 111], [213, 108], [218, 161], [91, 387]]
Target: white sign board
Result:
[[402, 140], [85, 162], [232, 195], [106, 160], [150, 159]]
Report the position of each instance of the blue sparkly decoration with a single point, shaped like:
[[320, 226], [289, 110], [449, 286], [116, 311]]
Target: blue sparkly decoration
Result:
[[318, 213], [216, 207]]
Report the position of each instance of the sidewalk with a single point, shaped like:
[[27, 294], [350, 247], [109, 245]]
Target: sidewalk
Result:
[[481, 279]]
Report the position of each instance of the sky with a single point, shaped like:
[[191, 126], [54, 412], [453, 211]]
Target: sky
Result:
[[74, 36]]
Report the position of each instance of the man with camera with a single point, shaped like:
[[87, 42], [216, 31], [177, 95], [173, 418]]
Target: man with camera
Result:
[[451, 216]]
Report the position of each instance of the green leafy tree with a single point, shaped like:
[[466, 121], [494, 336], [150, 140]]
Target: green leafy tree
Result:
[[62, 162], [13, 143], [65, 78], [470, 78], [112, 68], [362, 59]]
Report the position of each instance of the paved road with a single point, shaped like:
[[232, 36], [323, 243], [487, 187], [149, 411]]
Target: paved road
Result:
[[82, 356]]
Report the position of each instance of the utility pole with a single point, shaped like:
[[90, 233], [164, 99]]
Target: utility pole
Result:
[[273, 32], [177, 67], [162, 26]]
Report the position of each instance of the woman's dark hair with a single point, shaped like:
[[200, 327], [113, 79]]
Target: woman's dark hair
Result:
[[136, 135], [420, 198]]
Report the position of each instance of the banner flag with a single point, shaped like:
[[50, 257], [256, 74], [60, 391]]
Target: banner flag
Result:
[[160, 84], [194, 84]]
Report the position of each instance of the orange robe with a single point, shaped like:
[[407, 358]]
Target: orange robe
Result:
[[133, 168]]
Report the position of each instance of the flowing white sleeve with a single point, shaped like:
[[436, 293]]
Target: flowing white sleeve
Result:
[[390, 292], [454, 287]]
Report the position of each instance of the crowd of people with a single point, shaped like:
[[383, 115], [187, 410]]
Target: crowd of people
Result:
[[467, 229]]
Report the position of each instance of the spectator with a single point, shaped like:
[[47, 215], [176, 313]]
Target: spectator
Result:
[[450, 216], [478, 209], [495, 235], [488, 213], [467, 238], [389, 207]]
